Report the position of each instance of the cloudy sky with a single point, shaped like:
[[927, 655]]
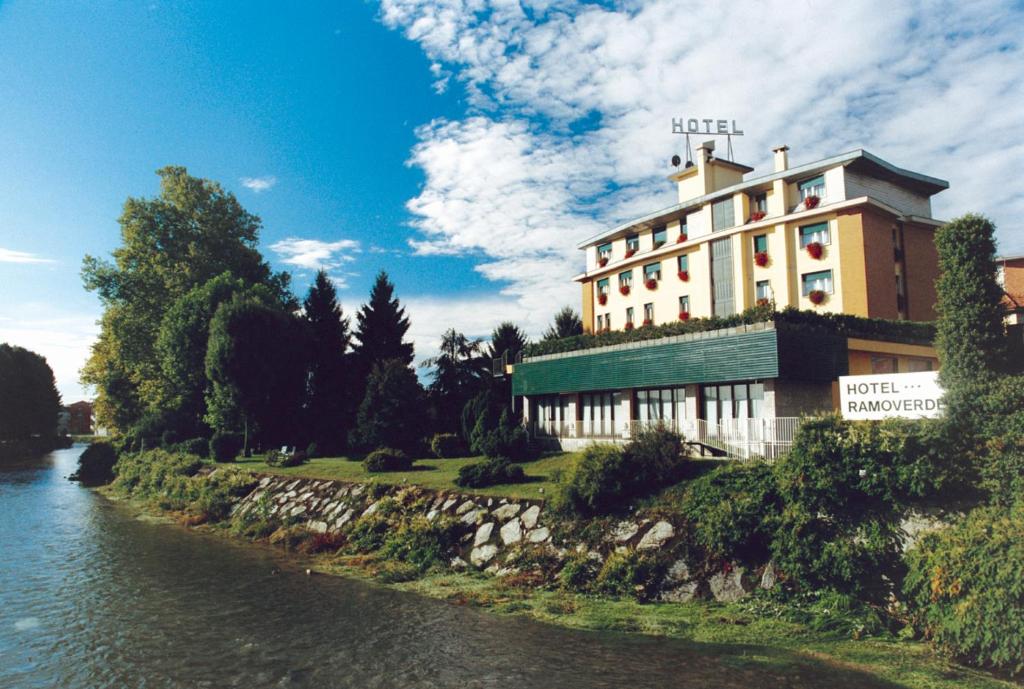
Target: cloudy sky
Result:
[[464, 146]]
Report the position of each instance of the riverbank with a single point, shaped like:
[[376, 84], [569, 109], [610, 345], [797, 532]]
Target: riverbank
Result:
[[787, 640]]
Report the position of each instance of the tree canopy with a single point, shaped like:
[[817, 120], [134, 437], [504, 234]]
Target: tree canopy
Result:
[[567, 323], [381, 325], [29, 401], [391, 413], [459, 372], [330, 403]]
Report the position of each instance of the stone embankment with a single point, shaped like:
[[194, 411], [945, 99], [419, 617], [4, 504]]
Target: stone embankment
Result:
[[499, 534]]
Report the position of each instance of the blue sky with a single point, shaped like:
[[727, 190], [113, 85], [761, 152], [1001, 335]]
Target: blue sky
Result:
[[464, 146]]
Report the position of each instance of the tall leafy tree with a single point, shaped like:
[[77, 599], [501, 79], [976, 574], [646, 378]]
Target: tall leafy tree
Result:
[[391, 413], [29, 401], [190, 233], [329, 406], [566, 324], [459, 374], [256, 364]]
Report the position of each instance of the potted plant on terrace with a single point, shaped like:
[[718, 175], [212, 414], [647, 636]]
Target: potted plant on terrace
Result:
[[684, 315], [651, 283], [681, 238], [761, 258], [816, 296], [648, 321], [623, 290], [630, 251], [763, 301], [603, 261], [757, 215], [811, 201], [684, 275], [814, 250], [602, 298]]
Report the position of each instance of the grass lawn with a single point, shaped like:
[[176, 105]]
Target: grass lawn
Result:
[[437, 474]]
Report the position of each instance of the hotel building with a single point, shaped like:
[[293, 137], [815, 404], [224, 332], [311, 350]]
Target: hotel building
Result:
[[850, 234]]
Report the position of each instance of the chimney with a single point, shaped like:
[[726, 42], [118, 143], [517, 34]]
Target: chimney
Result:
[[781, 158], [706, 151]]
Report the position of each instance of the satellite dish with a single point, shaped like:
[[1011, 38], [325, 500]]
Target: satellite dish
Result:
[[676, 160], [689, 163]]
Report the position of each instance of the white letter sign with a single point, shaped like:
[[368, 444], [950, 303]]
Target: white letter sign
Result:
[[891, 395]]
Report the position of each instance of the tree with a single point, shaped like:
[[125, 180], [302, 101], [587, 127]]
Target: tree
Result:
[[29, 401], [256, 363], [459, 373], [192, 232], [329, 405], [507, 337], [381, 326], [391, 413], [567, 323]]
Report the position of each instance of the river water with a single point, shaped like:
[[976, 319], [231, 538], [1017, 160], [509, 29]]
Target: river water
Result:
[[92, 596]]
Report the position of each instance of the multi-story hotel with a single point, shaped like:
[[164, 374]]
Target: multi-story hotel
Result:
[[850, 234]]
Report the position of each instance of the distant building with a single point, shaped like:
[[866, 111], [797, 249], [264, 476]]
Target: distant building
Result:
[[63, 419], [81, 418], [1010, 275]]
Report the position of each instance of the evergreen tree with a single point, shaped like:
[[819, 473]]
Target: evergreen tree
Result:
[[459, 373], [507, 337], [391, 413], [567, 323], [329, 405], [381, 326]]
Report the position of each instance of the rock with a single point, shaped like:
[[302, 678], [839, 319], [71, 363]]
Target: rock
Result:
[[769, 577], [458, 563], [490, 501], [483, 534], [465, 507], [506, 512], [358, 490], [678, 586], [472, 517], [432, 515], [343, 519], [505, 571], [371, 509], [448, 504], [297, 510], [293, 485], [530, 516], [539, 535], [656, 537], [511, 532], [264, 482], [482, 555], [318, 526], [624, 531], [731, 586]]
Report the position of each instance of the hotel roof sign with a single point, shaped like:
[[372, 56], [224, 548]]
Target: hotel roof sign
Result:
[[707, 126]]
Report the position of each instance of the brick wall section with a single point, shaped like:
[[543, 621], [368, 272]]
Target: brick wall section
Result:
[[922, 262], [879, 265]]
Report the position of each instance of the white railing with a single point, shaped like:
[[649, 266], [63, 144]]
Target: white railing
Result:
[[742, 439]]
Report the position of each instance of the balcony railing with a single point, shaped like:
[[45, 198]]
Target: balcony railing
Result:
[[742, 439]]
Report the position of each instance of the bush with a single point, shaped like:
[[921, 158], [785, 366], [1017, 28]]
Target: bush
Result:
[[312, 451], [630, 573], [276, 458], [200, 447], [491, 472], [387, 459], [447, 445], [96, 465], [733, 511], [509, 440], [422, 543], [965, 587], [225, 446], [578, 572]]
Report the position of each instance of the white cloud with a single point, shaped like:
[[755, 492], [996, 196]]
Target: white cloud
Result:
[[259, 184], [571, 104], [12, 256], [314, 254]]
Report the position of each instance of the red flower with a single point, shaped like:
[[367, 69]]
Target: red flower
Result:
[[684, 275], [681, 238], [623, 290], [648, 321], [763, 302], [602, 299], [629, 325], [761, 258], [684, 315], [811, 202], [651, 283], [816, 296], [757, 215], [630, 252], [814, 249], [603, 261]]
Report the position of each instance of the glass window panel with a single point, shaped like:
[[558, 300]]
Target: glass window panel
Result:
[[683, 262], [723, 214], [649, 312], [763, 290], [916, 365], [757, 400], [626, 278], [725, 399], [629, 314], [814, 233], [760, 243], [633, 242], [822, 280], [680, 399], [604, 250], [652, 271], [602, 286], [684, 303], [666, 404], [812, 187], [660, 237], [883, 364]]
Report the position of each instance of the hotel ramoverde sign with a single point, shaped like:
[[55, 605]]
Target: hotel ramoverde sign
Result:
[[889, 395]]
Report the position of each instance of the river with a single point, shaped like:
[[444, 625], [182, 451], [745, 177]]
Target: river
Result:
[[93, 597]]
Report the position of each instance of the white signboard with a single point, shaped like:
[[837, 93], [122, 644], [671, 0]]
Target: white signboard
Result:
[[905, 395]]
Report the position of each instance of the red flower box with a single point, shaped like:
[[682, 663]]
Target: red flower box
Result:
[[684, 315], [684, 275], [816, 296], [623, 290], [602, 299], [629, 326], [681, 238], [757, 215], [651, 283], [763, 302], [811, 202], [648, 321], [761, 258], [630, 252], [814, 249], [603, 261]]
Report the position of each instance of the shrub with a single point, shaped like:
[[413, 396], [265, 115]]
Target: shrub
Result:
[[276, 458], [422, 543], [491, 472], [447, 445], [257, 521], [96, 465], [630, 573], [965, 586], [579, 571], [200, 447], [387, 459], [370, 531], [225, 446], [312, 451], [509, 440], [733, 511]]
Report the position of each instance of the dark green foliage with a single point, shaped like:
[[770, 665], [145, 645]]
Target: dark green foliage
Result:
[[733, 511], [312, 450], [966, 587], [276, 458], [1000, 459], [579, 571], [330, 405], [225, 446], [491, 472], [459, 373], [29, 401], [631, 573], [381, 326], [480, 416], [567, 324], [422, 543], [608, 478], [447, 445], [169, 438], [507, 440], [96, 465], [387, 459], [199, 447], [391, 413], [370, 531]]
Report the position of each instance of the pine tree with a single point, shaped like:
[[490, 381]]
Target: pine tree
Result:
[[459, 373], [507, 337], [567, 323], [381, 325], [329, 405]]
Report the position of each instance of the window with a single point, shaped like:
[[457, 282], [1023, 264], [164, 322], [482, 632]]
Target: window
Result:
[[684, 262], [901, 295], [759, 203], [684, 230], [602, 286], [1001, 275], [760, 243], [629, 315], [604, 251], [660, 237], [598, 413], [652, 271], [763, 290], [662, 405], [632, 243], [739, 401], [812, 187], [648, 313], [817, 232], [883, 364], [821, 280], [626, 278], [917, 365], [607, 321], [600, 323], [722, 215], [684, 304]]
